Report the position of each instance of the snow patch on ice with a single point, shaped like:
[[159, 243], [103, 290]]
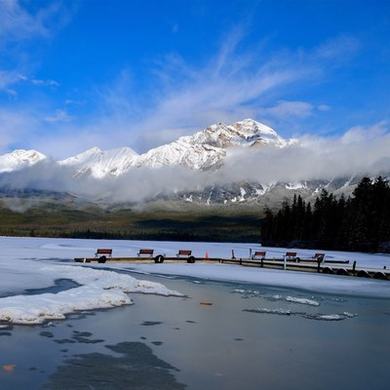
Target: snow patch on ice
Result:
[[270, 311], [309, 316], [302, 301], [99, 290], [327, 317]]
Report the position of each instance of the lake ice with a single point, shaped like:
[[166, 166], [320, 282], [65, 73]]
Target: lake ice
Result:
[[259, 327], [27, 263]]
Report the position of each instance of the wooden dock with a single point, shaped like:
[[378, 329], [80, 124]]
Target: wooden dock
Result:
[[330, 267]]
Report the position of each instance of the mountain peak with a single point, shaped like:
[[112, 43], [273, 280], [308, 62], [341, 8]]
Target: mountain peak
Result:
[[83, 157], [19, 158], [206, 149], [26, 154], [247, 132]]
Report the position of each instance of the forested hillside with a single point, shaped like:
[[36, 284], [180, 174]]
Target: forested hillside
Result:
[[360, 222]]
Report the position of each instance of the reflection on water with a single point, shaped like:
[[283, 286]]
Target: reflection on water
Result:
[[136, 368], [236, 341]]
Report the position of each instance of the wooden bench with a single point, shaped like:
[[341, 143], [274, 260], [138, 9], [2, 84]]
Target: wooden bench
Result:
[[103, 252], [291, 256], [258, 255], [184, 253], [145, 252], [316, 258]]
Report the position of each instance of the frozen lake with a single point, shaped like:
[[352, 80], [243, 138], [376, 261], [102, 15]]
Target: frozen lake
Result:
[[218, 334], [69, 248]]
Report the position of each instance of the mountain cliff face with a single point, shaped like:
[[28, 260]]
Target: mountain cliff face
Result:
[[203, 151]]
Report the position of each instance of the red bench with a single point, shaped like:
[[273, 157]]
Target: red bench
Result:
[[259, 255], [103, 252], [291, 256], [146, 252], [184, 252]]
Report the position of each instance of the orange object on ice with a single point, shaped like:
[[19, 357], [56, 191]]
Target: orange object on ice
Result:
[[8, 367], [206, 255]]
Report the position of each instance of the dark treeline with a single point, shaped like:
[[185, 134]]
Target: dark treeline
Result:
[[359, 223]]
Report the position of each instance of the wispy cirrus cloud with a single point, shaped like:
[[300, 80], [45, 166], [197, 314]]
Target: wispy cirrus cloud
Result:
[[10, 79], [292, 109], [19, 23], [341, 47], [19, 26], [181, 98], [60, 115]]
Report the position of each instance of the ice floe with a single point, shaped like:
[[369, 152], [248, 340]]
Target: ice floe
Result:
[[302, 301], [100, 289], [306, 315], [265, 310]]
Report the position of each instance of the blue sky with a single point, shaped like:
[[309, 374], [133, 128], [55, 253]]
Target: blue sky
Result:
[[141, 73]]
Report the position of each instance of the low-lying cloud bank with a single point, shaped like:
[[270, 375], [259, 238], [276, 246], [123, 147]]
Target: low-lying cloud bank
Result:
[[360, 151]]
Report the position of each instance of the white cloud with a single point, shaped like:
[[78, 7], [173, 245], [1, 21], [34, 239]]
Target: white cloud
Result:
[[46, 83], [7, 79], [310, 158], [290, 109], [59, 116], [324, 107], [341, 48], [13, 77], [285, 110], [360, 134], [18, 23], [180, 99]]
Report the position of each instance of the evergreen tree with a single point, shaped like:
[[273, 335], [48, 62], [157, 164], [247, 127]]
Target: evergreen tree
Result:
[[361, 222]]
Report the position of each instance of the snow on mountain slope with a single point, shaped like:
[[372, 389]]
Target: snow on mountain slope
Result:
[[244, 133], [184, 153], [207, 148], [19, 159], [203, 150], [99, 163]]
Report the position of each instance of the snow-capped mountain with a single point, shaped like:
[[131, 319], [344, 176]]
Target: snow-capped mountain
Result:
[[207, 148], [203, 150], [99, 163], [19, 159]]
